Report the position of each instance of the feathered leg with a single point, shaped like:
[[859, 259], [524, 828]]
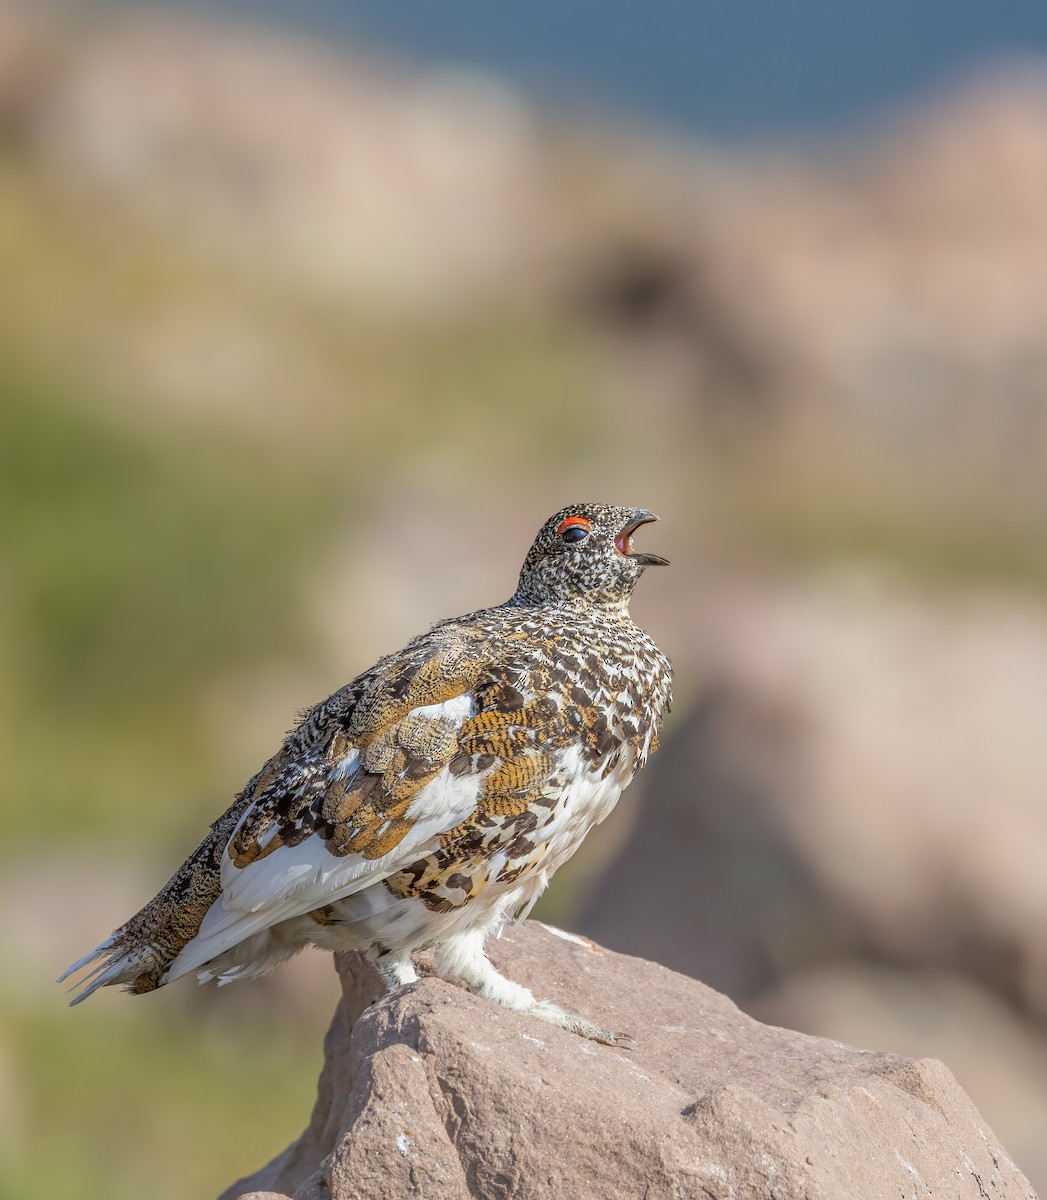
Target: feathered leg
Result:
[[394, 966], [462, 958]]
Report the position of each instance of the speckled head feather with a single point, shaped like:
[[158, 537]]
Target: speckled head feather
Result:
[[585, 554]]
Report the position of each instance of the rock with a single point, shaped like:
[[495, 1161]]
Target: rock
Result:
[[434, 1092], [998, 1056]]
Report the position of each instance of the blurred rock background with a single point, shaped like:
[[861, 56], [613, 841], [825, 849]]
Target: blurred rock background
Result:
[[300, 341]]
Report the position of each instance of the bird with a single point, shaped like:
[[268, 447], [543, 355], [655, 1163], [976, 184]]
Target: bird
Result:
[[430, 800]]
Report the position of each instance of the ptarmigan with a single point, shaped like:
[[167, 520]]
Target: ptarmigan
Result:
[[431, 799]]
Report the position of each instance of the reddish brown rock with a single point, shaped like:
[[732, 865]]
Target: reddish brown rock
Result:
[[436, 1093]]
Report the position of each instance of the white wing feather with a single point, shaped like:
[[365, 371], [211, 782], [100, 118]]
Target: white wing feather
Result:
[[297, 879]]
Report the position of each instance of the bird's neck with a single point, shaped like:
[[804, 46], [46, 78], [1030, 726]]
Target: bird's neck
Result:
[[578, 607]]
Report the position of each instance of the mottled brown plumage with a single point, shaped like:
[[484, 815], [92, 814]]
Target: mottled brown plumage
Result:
[[432, 798]]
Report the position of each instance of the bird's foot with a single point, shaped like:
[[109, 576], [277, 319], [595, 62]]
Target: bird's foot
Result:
[[545, 1010], [394, 966]]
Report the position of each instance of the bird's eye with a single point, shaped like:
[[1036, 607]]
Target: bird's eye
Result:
[[574, 529]]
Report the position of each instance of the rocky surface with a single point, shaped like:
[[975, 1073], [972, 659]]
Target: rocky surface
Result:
[[434, 1092]]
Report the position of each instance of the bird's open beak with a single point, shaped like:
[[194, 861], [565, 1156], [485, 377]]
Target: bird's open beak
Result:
[[624, 541]]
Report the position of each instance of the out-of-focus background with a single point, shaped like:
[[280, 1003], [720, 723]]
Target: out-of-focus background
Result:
[[304, 331]]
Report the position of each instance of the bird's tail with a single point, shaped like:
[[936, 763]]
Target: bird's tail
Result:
[[110, 962], [139, 953]]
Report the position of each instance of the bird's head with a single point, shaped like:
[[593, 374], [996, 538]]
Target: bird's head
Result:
[[585, 553]]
